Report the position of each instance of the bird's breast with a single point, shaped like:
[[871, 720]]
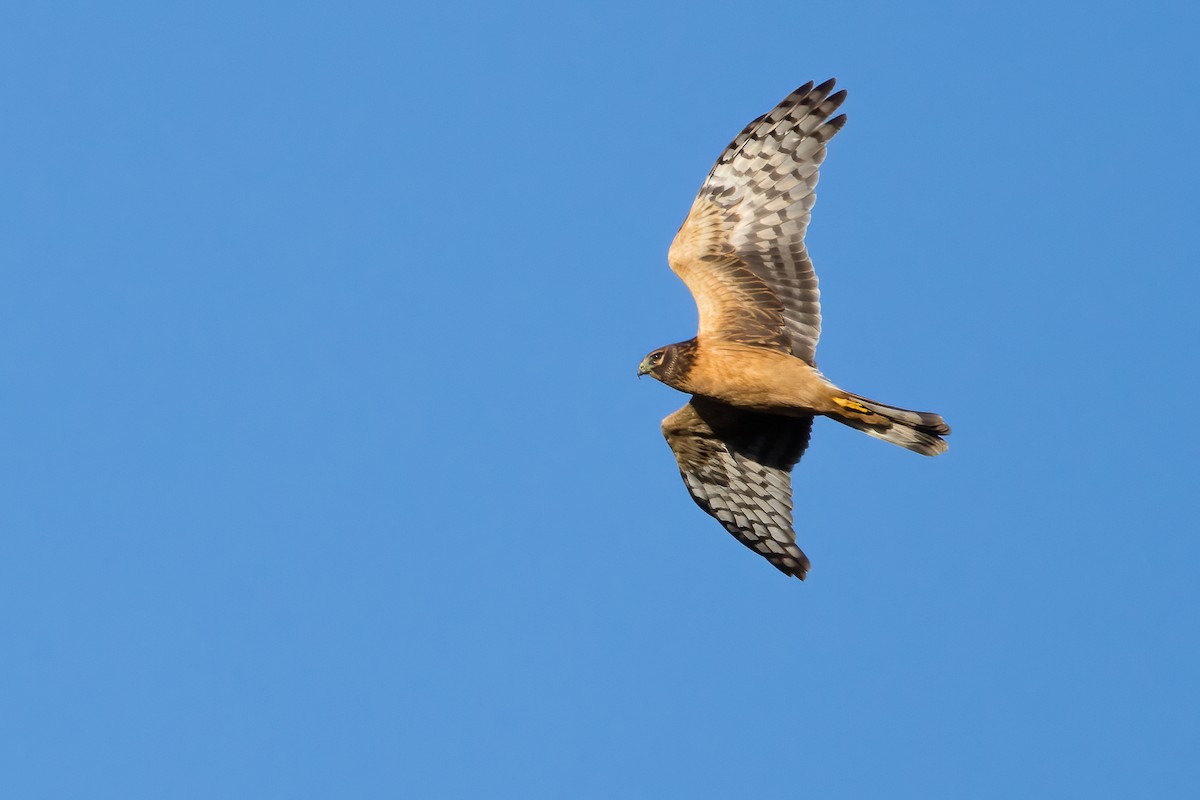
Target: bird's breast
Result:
[[758, 379]]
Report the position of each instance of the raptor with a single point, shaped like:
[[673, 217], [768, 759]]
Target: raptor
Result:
[[750, 368]]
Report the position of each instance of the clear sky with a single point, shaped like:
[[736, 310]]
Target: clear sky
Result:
[[326, 472]]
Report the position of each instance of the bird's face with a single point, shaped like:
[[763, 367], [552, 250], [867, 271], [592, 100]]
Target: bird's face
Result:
[[652, 362]]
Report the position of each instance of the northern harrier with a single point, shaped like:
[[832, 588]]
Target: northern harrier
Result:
[[755, 387]]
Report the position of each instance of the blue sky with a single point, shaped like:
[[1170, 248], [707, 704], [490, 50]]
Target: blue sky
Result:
[[326, 473]]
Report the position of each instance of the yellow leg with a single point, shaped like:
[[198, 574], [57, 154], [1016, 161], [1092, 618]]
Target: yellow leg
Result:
[[851, 405]]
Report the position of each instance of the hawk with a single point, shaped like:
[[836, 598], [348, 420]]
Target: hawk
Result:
[[750, 370]]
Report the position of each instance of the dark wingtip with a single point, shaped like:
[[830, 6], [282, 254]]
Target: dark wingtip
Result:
[[796, 569]]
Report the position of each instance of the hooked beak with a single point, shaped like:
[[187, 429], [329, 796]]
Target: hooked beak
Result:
[[643, 369]]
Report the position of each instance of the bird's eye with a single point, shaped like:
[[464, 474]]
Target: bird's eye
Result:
[[656, 357]]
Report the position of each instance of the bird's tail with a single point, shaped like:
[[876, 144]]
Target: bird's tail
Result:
[[919, 431]]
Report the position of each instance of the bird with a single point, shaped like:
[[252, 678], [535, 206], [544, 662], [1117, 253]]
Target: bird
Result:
[[751, 370]]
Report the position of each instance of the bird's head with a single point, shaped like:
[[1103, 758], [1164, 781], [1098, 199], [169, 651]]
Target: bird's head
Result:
[[651, 363], [670, 364]]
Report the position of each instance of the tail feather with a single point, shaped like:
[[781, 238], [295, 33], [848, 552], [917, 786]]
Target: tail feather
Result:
[[919, 431]]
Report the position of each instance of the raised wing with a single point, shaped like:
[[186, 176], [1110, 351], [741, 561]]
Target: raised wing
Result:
[[737, 466], [741, 249]]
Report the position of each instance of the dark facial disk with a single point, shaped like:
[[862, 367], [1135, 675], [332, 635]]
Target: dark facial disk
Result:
[[670, 364], [652, 362]]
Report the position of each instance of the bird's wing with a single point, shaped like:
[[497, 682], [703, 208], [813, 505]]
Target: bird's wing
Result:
[[741, 249], [737, 466]]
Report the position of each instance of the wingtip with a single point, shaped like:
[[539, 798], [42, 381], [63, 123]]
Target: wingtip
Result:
[[792, 567]]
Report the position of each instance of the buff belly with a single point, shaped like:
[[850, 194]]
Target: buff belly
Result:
[[761, 380]]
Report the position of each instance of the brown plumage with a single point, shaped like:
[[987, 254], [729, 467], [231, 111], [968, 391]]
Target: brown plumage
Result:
[[750, 369]]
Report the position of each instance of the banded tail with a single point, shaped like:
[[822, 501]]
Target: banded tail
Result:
[[919, 431]]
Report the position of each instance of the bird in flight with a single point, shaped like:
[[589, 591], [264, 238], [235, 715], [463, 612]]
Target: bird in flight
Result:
[[750, 370]]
